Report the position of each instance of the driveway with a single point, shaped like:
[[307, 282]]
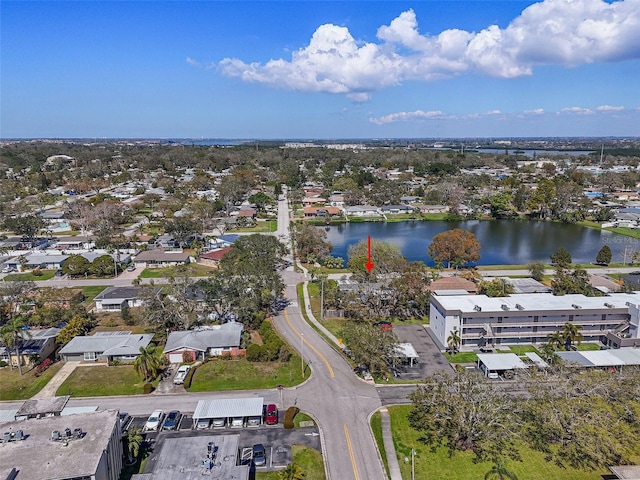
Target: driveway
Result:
[[430, 358]]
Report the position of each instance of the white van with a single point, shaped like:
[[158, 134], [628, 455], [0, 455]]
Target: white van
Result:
[[237, 422]]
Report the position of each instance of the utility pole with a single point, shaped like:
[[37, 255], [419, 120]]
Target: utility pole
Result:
[[322, 301]]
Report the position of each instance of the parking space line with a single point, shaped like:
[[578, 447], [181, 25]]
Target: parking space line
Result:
[[351, 454], [322, 357]]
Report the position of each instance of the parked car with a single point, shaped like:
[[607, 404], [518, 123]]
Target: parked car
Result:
[[219, 422], [8, 269], [181, 374], [172, 421], [155, 420], [131, 267], [237, 422], [271, 415], [125, 420], [203, 423], [59, 273], [259, 455], [254, 421]]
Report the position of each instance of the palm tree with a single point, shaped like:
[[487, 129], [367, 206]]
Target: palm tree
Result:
[[134, 441], [556, 339], [291, 472], [453, 341], [12, 336], [148, 362], [571, 334], [500, 472]]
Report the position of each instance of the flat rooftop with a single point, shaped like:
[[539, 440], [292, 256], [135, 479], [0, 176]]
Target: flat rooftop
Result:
[[39, 457], [43, 406], [529, 302], [184, 458]]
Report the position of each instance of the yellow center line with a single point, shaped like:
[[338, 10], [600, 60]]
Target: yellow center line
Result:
[[351, 454], [322, 357]]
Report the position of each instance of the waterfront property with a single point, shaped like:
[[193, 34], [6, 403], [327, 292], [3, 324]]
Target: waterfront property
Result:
[[483, 321]]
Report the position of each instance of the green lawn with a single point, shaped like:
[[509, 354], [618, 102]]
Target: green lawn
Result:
[[240, 374], [310, 462], [588, 346], [438, 464], [376, 427], [194, 270], [16, 387], [462, 357], [103, 380], [26, 277], [91, 292]]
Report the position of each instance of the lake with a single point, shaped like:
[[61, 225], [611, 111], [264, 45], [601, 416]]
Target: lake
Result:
[[502, 242]]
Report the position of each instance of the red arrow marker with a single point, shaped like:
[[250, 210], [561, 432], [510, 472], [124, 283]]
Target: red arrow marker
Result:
[[369, 263]]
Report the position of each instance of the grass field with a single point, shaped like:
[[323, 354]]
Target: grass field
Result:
[[194, 269], [462, 357], [309, 460], [103, 380], [438, 464], [26, 277], [16, 387], [261, 227], [91, 292], [240, 374]]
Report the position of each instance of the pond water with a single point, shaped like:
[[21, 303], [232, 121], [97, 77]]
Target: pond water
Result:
[[502, 242]]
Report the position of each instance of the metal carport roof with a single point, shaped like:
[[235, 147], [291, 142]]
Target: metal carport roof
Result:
[[229, 407], [500, 361]]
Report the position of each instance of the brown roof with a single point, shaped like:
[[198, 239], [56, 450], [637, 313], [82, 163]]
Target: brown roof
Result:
[[215, 254], [453, 283], [314, 210]]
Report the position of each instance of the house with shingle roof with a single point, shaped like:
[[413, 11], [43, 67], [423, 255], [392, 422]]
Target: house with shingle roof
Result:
[[106, 347], [112, 299], [213, 340]]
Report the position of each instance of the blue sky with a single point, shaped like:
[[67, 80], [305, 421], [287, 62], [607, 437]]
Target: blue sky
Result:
[[307, 69]]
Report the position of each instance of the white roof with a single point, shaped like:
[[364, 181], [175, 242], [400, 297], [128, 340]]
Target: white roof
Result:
[[230, 407], [535, 358], [630, 356], [501, 361], [603, 358], [535, 302], [407, 350]]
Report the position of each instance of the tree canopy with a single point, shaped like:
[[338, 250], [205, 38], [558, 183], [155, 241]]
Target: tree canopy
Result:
[[455, 247]]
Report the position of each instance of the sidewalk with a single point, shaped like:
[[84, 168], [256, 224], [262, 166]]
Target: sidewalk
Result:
[[389, 448], [51, 388]]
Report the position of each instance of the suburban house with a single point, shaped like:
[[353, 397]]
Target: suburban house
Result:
[[160, 258], [204, 342], [528, 318], [310, 201], [112, 299], [362, 211], [322, 212], [453, 285], [106, 347], [396, 209], [336, 200], [430, 208], [34, 260], [213, 257], [36, 345]]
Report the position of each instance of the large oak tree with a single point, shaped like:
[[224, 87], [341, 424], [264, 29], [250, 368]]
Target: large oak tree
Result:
[[455, 247]]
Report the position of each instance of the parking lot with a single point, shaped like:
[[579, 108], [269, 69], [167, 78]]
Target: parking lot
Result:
[[430, 358]]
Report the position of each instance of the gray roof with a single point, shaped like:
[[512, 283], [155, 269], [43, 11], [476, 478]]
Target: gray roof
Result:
[[501, 361], [119, 345], [120, 293], [43, 406], [159, 256], [229, 407], [227, 335], [602, 358], [37, 457]]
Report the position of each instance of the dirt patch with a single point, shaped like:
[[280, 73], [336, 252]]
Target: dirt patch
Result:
[[256, 338]]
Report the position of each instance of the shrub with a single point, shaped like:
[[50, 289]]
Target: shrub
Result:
[[3, 363], [147, 389], [36, 272], [46, 363], [289, 415], [188, 357], [187, 380], [254, 352]]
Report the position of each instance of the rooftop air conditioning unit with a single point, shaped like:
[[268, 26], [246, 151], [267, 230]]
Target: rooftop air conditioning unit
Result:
[[504, 307], [519, 307], [609, 305], [477, 308], [55, 435], [575, 305]]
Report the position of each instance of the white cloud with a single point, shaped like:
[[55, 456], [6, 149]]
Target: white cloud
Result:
[[406, 116], [536, 111], [577, 111], [551, 32], [192, 62], [609, 108]]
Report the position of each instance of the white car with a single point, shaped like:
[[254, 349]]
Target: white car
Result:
[[155, 420], [181, 374]]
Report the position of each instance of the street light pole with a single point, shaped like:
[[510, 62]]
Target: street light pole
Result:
[[413, 470], [322, 301], [302, 354]]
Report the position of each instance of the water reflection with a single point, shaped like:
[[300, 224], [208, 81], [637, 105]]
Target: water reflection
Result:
[[503, 242]]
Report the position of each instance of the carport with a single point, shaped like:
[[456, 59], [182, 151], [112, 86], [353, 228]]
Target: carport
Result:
[[407, 352], [228, 408], [499, 362]]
